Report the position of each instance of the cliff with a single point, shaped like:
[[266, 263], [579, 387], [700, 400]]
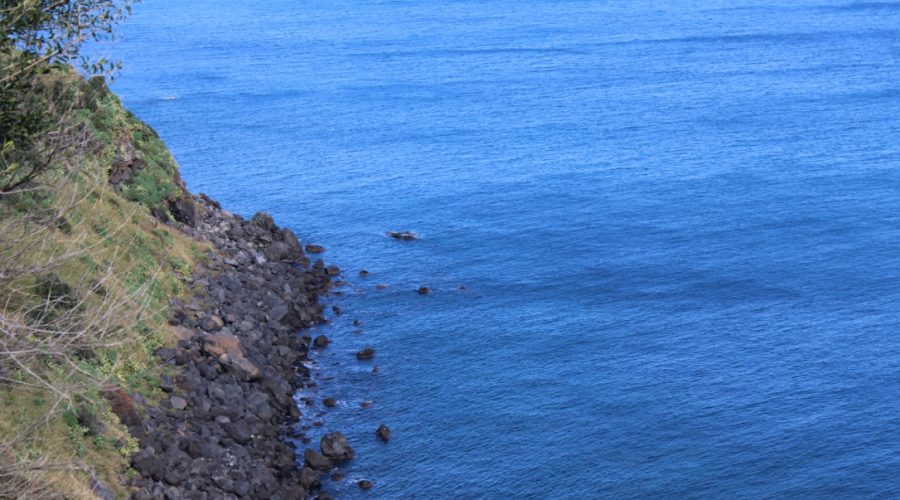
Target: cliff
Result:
[[149, 338]]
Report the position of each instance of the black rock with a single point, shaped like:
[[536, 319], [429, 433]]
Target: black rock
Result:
[[309, 478], [403, 235], [238, 431], [317, 460], [321, 341], [365, 354], [383, 433], [166, 383], [183, 210]]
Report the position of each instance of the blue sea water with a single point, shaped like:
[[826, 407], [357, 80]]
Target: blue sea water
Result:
[[677, 226]]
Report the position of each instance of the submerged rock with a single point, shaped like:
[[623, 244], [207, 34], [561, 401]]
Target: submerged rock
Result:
[[365, 353], [424, 290], [315, 249], [403, 235], [365, 484], [321, 341]]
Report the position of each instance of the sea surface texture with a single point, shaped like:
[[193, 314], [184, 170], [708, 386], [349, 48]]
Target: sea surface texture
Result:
[[662, 237]]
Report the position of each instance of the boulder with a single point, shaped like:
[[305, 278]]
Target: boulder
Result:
[[365, 354], [335, 446], [178, 403], [244, 367], [123, 406], [278, 251], [317, 461], [221, 343], [424, 290], [308, 478], [365, 484], [329, 402], [315, 249], [321, 341]]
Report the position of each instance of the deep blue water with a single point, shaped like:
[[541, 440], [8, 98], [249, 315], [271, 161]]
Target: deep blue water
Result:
[[677, 224]]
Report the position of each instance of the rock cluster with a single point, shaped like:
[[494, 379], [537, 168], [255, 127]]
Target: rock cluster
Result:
[[220, 431]]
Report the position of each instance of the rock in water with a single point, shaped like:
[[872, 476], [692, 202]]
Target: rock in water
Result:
[[424, 290], [308, 478], [383, 433], [365, 484], [403, 235], [315, 249], [317, 460], [365, 353], [335, 446], [321, 341], [329, 402]]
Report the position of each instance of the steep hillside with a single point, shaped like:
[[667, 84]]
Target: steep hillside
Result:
[[87, 269]]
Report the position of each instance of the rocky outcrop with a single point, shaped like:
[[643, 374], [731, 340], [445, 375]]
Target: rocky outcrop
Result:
[[126, 163]]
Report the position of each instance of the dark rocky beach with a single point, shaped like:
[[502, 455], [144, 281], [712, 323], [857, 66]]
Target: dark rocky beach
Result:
[[223, 431]]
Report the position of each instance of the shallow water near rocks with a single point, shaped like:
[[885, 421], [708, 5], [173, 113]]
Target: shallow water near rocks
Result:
[[676, 224]]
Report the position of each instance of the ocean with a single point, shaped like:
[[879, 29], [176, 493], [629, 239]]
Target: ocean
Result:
[[662, 238]]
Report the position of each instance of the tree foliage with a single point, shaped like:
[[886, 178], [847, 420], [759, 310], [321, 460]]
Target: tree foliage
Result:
[[39, 37]]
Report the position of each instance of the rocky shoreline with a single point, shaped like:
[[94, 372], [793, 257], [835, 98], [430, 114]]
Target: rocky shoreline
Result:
[[222, 430]]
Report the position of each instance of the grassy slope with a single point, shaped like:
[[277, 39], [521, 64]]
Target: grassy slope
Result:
[[124, 268]]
